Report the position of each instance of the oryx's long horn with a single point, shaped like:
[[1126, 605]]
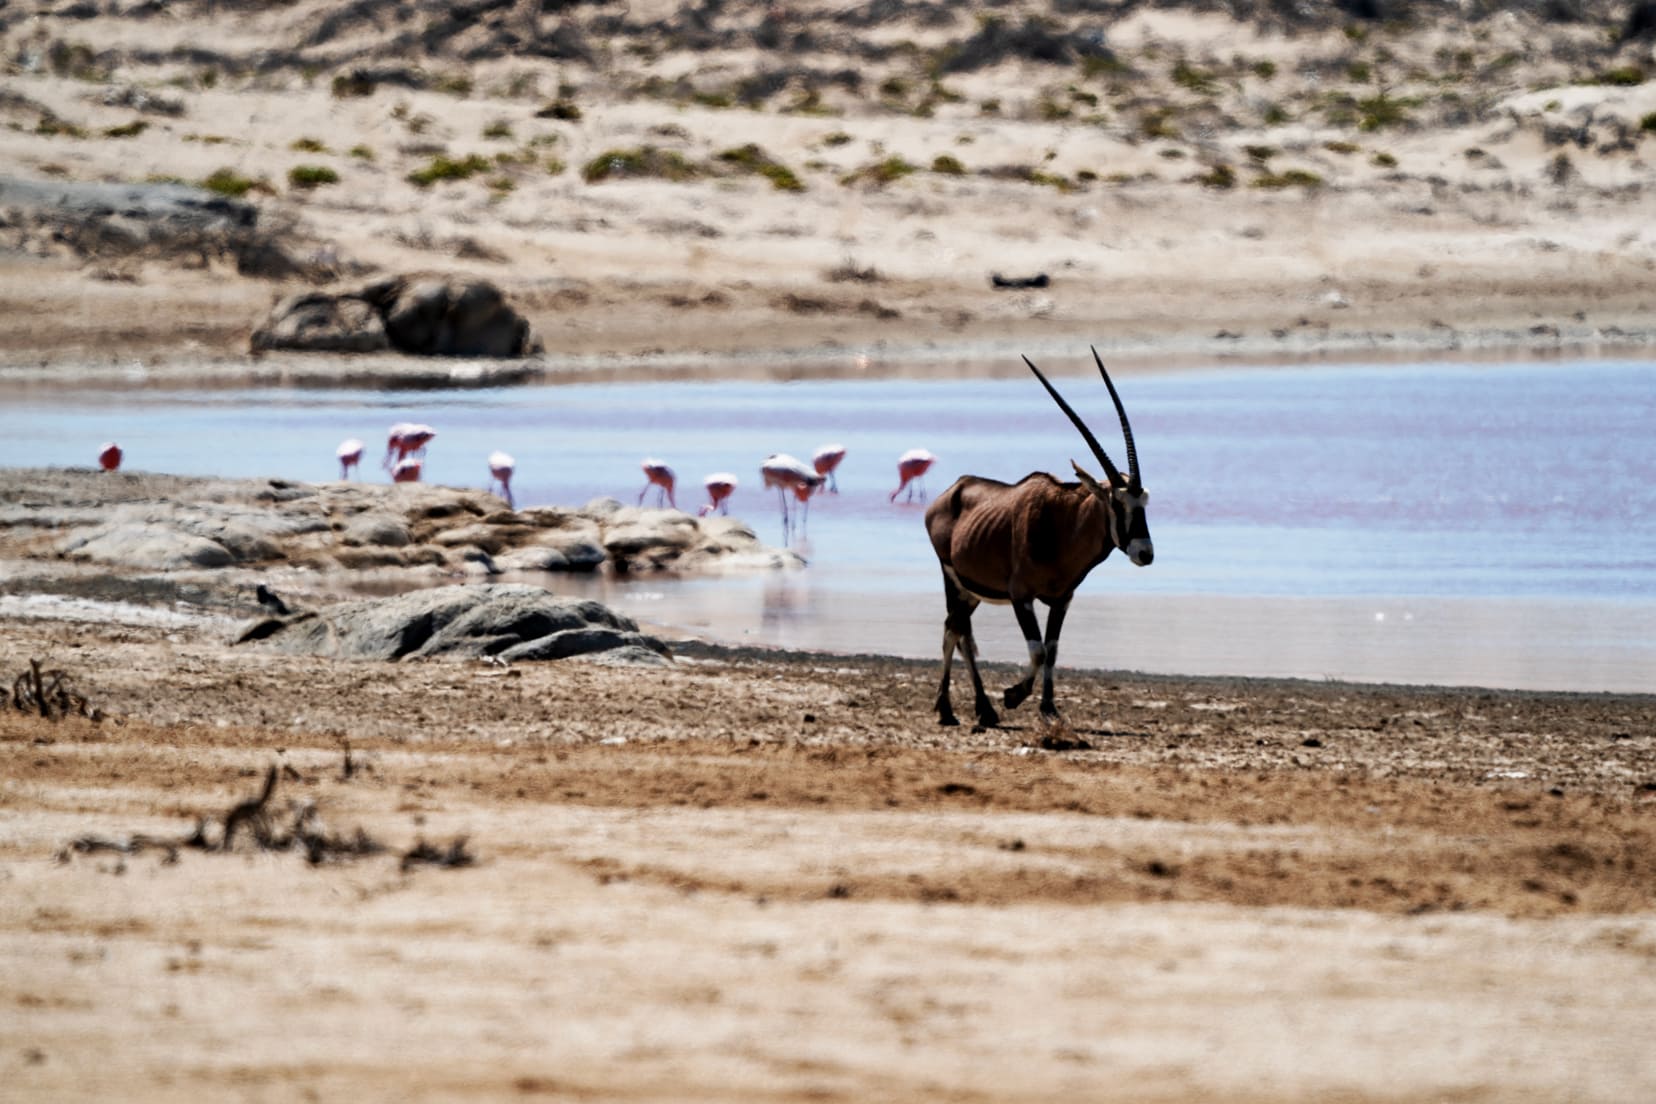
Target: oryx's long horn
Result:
[[1092, 442], [1126, 430]]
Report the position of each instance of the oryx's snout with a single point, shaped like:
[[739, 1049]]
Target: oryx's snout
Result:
[[1141, 552]]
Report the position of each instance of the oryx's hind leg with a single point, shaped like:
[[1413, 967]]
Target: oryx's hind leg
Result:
[[957, 632]]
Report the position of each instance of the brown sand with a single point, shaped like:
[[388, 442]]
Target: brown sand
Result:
[[755, 877]]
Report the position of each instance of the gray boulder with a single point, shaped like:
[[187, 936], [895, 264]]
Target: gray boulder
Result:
[[378, 529], [510, 621], [317, 322], [146, 546]]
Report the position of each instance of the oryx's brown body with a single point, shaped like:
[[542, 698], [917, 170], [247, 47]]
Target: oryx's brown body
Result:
[[1034, 540]]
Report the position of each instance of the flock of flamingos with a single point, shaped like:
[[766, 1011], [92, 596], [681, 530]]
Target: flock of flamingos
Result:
[[406, 444]]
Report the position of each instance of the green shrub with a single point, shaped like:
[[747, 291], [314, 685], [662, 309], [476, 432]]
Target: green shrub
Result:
[[353, 84], [1341, 147], [752, 159], [1648, 122], [311, 176], [1220, 176], [1289, 179], [947, 165], [1158, 123], [443, 168], [228, 182], [1380, 111], [1264, 69], [454, 84], [838, 138], [1260, 154], [362, 153], [1625, 76], [642, 162], [127, 130], [308, 145], [1187, 76], [1383, 160], [53, 127], [1359, 71], [881, 173], [500, 128]]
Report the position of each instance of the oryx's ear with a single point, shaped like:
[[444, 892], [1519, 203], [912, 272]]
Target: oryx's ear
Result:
[[1087, 480]]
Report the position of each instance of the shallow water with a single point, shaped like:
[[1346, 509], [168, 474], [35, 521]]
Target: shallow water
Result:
[[1487, 525]]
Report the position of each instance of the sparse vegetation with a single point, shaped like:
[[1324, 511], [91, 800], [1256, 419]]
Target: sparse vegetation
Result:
[[1648, 123], [562, 109], [644, 162], [881, 173], [498, 129], [1341, 147], [1625, 76], [126, 130], [444, 168], [1189, 77], [1383, 160], [1291, 178], [362, 153], [1220, 176], [308, 145], [228, 182], [306, 177], [947, 165], [50, 126], [752, 159], [1382, 110]]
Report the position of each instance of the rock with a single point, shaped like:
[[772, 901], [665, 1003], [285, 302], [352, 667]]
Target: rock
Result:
[[430, 316], [176, 223], [316, 322], [145, 546], [378, 529], [512, 621]]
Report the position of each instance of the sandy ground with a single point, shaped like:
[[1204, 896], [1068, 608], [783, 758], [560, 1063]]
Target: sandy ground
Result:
[[770, 877]]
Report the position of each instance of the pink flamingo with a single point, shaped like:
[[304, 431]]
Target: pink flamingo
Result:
[[501, 467], [109, 456], [406, 439], [658, 475], [825, 460], [911, 469], [406, 470], [720, 486], [785, 473], [349, 454]]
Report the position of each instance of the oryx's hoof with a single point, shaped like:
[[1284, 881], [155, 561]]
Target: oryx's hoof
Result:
[[948, 720], [1015, 695], [987, 717]]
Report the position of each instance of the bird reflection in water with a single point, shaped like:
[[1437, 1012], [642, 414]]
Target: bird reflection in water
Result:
[[787, 606]]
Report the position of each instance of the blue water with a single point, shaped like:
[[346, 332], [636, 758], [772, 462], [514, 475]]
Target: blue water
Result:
[[1523, 488]]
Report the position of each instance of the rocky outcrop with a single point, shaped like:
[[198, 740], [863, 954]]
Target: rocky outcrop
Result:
[[513, 623], [421, 316], [138, 522], [166, 222]]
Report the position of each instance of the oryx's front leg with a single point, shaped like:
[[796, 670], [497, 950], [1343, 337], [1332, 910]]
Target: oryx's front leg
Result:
[[1016, 693], [1055, 625]]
